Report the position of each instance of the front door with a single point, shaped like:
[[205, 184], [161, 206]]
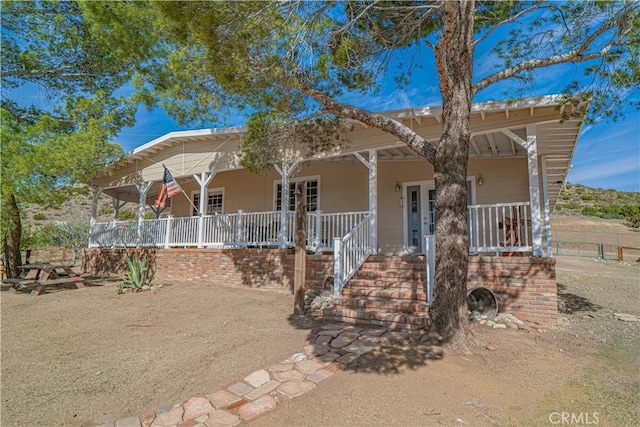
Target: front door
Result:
[[420, 212], [419, 215]]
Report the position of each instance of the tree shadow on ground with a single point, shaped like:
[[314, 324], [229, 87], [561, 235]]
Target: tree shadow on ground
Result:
[[397, 350], [571, 303]]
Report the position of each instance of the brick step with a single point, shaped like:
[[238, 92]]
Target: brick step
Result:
[[382, 304], [389, 258], [386, 284], [399, 294], [368, 317], [390, 274], [392, 265]]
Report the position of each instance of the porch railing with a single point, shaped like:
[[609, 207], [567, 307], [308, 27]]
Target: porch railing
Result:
[[430, 266], [349, 253], [239, 229], [500, 228]]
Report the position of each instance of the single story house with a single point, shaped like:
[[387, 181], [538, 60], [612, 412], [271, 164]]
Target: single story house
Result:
[[370, 210]]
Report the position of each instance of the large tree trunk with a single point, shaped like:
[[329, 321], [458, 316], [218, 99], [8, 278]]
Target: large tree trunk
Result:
[[12, 236], [454, 56]]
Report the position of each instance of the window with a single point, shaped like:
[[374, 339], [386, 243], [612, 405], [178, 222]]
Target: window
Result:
[[215, 202], [313, 193]]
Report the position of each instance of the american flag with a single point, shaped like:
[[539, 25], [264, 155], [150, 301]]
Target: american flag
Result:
[[168, 188]]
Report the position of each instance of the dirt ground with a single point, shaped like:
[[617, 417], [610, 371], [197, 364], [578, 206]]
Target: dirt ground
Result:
[[84, 357]]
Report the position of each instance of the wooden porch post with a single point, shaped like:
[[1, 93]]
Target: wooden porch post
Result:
[[116, 204], [534, 190], [142, 188], [372, 166], [300, 266], [547, 208], [203, 179]]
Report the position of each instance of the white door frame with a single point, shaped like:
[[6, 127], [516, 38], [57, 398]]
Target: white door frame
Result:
[[425, 186]]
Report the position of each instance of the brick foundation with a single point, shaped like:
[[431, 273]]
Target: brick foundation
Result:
[[254, 268], [524, 286]]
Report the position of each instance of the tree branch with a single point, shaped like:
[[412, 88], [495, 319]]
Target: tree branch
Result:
[[507, 21], [405, 134], [55, 72], [576, 55]]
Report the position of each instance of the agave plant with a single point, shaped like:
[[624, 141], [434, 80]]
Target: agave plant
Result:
[[140, 273]]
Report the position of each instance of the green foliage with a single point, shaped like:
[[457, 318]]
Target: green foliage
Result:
[[58, 139], [71, 232], [30, 238], [126, 215], [39, 216], [631, 214], [271, 137], [610, 204], [140, 274]]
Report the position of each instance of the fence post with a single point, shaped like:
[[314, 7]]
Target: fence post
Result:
[[337, 267], [167, 234], [318, 241], [200, 230], [239, 228], [601, 250], [113, 234], [620, 254]]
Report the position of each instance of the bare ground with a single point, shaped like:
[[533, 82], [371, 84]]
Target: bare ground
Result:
[[86, 357]]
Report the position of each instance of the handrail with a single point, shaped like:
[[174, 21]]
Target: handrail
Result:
[[349, 253], [430, 266]]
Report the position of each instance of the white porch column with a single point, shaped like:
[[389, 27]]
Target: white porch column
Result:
[[534, 190], [117, 204], [372, 165], [203, 179], [373, 198], [547, 208], [142, 188], [285, 172], [94, 212], [94, 206]]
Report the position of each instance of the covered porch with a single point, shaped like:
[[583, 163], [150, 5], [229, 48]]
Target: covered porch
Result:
[[374, 196]]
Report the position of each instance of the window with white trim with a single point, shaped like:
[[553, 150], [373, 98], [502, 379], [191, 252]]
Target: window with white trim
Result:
[[214, 205], [313, 194]]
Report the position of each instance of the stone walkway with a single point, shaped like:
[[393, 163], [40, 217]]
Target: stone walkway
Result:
[[333, 347]]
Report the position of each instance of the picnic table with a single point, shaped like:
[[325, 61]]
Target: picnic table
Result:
[[39, 276]]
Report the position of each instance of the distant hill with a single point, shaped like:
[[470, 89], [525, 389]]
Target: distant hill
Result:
[[576, 199]]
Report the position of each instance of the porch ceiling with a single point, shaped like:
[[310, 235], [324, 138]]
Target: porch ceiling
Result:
[[556, 143]]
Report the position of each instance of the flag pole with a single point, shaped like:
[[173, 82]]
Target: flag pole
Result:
[[183, 192]]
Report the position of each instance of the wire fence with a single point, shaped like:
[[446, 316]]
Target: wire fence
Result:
[[617, 239]]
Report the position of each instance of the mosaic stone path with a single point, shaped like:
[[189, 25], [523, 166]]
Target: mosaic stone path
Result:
[[333, 347]]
